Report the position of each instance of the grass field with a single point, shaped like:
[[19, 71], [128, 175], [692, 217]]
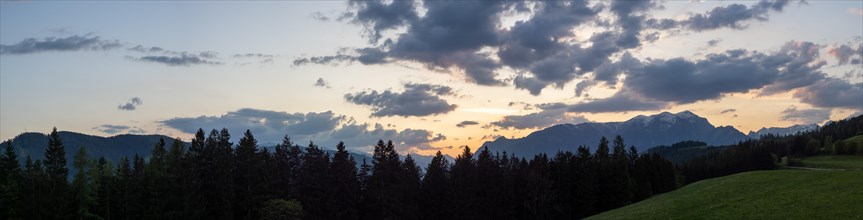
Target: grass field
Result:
[[835, 162], [774, 194]]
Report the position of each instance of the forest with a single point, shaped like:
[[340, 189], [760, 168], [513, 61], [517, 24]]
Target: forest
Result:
[[215, 179]]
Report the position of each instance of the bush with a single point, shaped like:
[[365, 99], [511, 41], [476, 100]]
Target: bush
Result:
[[280, 209]]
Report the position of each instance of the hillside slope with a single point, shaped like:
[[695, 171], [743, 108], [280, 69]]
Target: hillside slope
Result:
[[775, 194]]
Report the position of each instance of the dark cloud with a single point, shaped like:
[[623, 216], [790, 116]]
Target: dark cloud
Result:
[[143, 49], [378, 16], [183, 59], [468, 36], [466, 123], [324, 128], [111, 129], [622, 101], [542, 119], [366, 56], [733, 16], [847, 53], [133, 104], [416, 100], [659, 83], [713, 42], [525, 105], [70, 43], [807, 116], [630, 19], [728, 111], [682, 81], [832, 93], [262, 121], [322, 83]]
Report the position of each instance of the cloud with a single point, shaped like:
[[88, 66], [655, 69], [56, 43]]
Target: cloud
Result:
[[183, 59], [655, 84], [133, 104], [416, 100], [111, 129], [466, 123], [542, 47], [542, 119], [262, 121], [119, 129], [55, 44], [832, 93], [682, 81], [622, 101], [733, 16], [324, 128], [322, 83], [378, 16], [847, 53], [320, 16], [807, 116], [728, 111], [142, 49], [713, 42]]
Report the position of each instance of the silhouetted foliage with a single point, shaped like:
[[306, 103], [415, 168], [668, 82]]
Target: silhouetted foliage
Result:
[[214, 179]]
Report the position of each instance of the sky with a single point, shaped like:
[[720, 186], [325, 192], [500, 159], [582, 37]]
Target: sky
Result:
[[431, 76]]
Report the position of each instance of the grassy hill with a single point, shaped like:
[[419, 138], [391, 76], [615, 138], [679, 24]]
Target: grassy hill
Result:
[[774, 194], [835, 162]]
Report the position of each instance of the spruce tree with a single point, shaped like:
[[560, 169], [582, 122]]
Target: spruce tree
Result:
[[345, 186], [155, 179], [10, 184], [313, 183], [288, 162], [409, 187], [463, 186], [382, 194], [58, 174], [83, 184], [434, 197], [247, 164]]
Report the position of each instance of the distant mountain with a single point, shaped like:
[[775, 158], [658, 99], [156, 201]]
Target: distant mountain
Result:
[[781, 131], [641, 131], [114, 148]]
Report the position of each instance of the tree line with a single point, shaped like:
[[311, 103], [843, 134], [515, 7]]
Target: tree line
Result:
[[769, 150], [215, 179]]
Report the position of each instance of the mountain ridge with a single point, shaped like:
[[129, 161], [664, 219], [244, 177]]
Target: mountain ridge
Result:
[[642, 131]]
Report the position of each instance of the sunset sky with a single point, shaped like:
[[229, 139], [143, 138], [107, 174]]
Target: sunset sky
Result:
[[430, 76]]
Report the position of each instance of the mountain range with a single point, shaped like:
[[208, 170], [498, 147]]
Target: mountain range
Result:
[[641, 131], [781, 131]]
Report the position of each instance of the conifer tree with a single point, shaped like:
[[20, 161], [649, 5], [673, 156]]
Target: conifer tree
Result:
[[409, 187], [433, 192], [155, 179], [10, 184], [313, 183], [382, 194], [58, 174], [34, 190], [247, 164], [288, 160], [464, 185], [346, 188], [83, 185]]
